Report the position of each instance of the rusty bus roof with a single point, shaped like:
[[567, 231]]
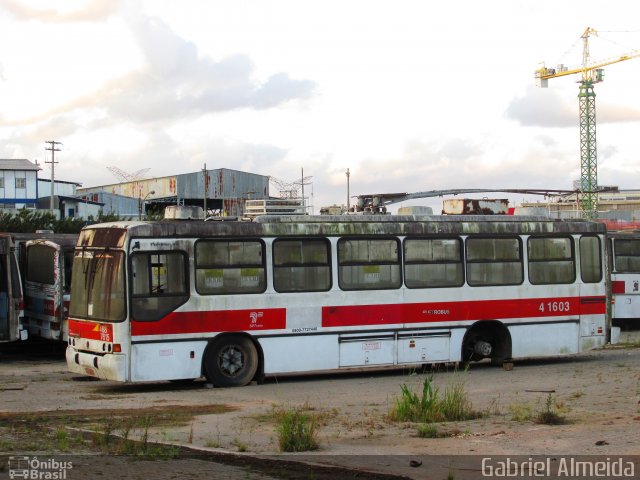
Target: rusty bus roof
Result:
[[355, 225]]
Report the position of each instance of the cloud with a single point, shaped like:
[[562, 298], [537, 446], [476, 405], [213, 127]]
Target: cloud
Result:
[[607, 113], [177, 83], [546, 108], [541, 108], [92, 11]]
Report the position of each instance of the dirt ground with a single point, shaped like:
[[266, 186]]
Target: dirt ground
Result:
[[598, 394]]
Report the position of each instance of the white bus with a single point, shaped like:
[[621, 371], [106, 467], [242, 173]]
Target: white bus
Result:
[[624, 248], [235, 301], [46, 265]]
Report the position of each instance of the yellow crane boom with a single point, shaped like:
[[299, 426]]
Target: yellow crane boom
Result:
[[588, 70], [544, 73]]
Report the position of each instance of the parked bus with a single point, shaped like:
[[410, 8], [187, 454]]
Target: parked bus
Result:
[[624, 249], [11, 298], [46, 265], [234, 301]]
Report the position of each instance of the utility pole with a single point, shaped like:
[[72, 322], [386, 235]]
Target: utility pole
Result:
[[348, 194], [52, 148], [206, 188]]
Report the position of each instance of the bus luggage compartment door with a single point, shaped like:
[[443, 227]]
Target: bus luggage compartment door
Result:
[[423, 347], [367, 349]]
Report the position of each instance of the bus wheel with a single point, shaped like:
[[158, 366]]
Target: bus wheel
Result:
[[231, 361], [487, 339]]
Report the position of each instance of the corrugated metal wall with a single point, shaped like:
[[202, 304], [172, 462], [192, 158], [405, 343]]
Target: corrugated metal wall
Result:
[[223, 184]]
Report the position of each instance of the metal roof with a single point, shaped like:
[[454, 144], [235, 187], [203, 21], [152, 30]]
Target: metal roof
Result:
[[18, 164]]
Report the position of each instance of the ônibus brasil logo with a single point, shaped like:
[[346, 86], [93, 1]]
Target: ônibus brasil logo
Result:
[[37, 469]]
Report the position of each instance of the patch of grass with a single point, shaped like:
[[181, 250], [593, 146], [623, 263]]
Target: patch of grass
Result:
[[549, 415], [240, 445], [427, 430], [297, 430], [430, 406], [521, 412]]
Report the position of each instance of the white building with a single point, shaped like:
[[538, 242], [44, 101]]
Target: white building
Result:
[[18, 184]]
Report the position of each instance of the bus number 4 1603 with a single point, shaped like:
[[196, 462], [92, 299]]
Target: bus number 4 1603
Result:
[[554, 307]]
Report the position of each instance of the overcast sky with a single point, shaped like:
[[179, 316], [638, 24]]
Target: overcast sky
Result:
[[409, 95]]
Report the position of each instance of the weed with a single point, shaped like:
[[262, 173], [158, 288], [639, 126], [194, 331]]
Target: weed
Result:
[[549, 415], [521, 412], [297, 430], [427, 430], [62, 438], [577, 394], [212, 444], [190, 439], [240, 445], [493, 408], [431, 407]]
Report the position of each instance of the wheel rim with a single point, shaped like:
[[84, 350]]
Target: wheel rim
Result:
[[231, 360]]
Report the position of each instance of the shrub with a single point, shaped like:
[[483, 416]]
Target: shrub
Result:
[[297, 430], [431, 407]]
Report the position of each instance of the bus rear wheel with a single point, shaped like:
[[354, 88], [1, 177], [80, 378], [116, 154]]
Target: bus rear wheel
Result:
[[231, 361]]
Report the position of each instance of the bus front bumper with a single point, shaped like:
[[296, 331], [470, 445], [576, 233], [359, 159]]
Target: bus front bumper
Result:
[[112, 366]]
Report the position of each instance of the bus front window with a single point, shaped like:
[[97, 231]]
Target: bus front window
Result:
[[98, 286]]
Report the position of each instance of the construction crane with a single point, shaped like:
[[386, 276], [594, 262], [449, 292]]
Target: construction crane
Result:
[[591, 73], [126, 176]]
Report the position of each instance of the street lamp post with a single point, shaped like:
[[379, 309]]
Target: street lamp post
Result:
[[141, 201]]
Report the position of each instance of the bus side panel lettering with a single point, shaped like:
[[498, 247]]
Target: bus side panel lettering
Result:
[[213, 321]]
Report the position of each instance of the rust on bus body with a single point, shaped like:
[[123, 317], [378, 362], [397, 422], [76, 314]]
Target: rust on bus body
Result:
[[468, 206]]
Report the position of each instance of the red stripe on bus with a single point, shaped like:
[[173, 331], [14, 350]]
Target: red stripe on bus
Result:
[[617, 286], [213, 321], [354, 315]]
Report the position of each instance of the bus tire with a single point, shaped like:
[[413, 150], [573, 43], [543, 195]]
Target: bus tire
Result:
[[231, 361], [487, 339]]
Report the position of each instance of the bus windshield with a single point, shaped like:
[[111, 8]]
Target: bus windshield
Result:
[[98, 286]]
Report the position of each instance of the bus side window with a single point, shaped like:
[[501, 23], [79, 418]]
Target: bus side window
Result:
[[433, 262], [225, 267], [590, 259], [494, 261], [627, 255], [159, 284], [551, 260], [369, 264], [301, 265]]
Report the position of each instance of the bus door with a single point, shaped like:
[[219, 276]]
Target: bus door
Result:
[[46, 310], [11, 300], [593, 304]]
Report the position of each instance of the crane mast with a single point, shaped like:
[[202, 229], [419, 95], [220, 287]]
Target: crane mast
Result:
[[588, 145]]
